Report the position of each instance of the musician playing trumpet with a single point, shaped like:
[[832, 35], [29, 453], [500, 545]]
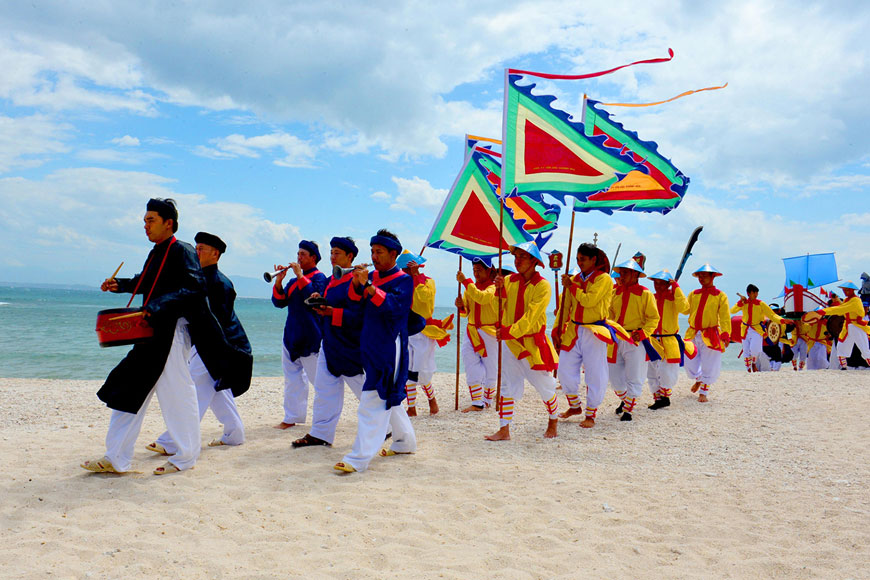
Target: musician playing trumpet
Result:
[[302, 334], [340, 361]]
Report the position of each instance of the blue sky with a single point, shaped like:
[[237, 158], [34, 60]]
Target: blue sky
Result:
[[275, 121]]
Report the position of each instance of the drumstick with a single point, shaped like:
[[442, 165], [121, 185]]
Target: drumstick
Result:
[[115, 273], [122, 317]]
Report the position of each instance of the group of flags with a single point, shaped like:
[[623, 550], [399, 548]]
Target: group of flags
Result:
[[597, 162]]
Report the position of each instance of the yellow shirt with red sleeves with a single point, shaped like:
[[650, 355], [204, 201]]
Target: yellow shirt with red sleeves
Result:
[[670, 304], [852, 309], [424, 305], [524, 317], [813, 332], [633, 308], [587, 303], [481, 309], [710, 315], [754, 312]]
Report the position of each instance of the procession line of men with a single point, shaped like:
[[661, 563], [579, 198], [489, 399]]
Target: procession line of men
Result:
[[374, 332]]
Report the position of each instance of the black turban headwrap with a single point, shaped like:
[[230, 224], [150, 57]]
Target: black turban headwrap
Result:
[[211, 240]]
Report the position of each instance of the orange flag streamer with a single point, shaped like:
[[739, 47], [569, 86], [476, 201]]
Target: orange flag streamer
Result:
[[681, 95]]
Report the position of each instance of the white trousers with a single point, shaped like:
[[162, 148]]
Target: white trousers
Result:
[[855, 337], [329, 399], [222, 404], [374, 421], [817, 359], [589, 353], [752, 343], [800, 350], [421, 357], [516, 373], [629, 371], [481, 370], [706, 365], [297, 375], [177, 396], [662, 374]]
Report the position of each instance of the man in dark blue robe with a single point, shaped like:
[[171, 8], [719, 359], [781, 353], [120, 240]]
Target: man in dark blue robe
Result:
[[386, 295], [302, 332]]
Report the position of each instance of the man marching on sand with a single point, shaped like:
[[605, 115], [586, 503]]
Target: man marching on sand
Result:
[[212, 394], [663, 374], [634, 308], [585, 332], [174, 292], [340, 362], [385, 296], [754, 312], [709, 327], [301, 330], [854, 331], [479, 349], [421, 346], [529, 354]]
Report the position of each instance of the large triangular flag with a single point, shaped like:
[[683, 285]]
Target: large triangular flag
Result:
[[655, 185], [537, 216], [600, 163], [544, 151], [469, 219]]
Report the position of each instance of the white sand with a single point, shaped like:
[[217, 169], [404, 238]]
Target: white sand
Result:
[[769, 480]]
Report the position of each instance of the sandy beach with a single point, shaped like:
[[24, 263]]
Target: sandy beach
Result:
[[768, 480]]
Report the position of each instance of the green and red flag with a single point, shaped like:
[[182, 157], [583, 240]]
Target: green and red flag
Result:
[[468, 223]]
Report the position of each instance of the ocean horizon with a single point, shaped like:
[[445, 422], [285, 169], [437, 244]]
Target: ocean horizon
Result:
[[48, 332]]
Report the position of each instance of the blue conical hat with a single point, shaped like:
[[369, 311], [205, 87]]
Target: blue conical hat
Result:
[[663, 275], [707, 268], [848, 284], [531, 248], [631, 265], [407, 256]]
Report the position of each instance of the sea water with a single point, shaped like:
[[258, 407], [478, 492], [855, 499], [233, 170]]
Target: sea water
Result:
[[50, 333]]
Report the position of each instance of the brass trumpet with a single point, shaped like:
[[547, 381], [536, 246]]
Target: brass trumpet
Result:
[[269, 276], [339, 272]]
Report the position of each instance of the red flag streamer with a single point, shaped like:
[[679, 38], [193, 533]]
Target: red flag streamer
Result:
[[589, 75], [681, 95]]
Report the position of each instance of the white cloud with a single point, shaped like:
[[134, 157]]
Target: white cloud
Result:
[[114, 156], [416, 193], [126, 141], [297, 153], [94, 216], [29, 141], [381, 196]]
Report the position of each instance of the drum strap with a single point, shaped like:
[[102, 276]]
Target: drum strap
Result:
[[159, 270]]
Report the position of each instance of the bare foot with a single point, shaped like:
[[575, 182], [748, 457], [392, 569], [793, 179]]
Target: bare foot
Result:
[[282, 425], [552, 425], [587, 423], [472, 409], [433, 406], [503, 434], [702, 398], [696, 386], [571, 412], [412, 411]]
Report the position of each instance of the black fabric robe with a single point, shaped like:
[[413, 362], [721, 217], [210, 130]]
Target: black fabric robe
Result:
[[238, 364], [180, 291]]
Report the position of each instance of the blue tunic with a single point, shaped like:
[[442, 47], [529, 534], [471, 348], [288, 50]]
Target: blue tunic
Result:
[[341, 330], [384, 330], [302, 328]]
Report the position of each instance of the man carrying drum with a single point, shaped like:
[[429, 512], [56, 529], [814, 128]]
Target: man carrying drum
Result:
[[174, 289]]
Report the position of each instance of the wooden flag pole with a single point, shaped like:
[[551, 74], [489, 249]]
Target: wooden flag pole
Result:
[[498, 326], [565, 287], [458, 324]]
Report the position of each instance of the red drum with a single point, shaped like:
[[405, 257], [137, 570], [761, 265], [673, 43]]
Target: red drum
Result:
[[114, 332], [736, 327]]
